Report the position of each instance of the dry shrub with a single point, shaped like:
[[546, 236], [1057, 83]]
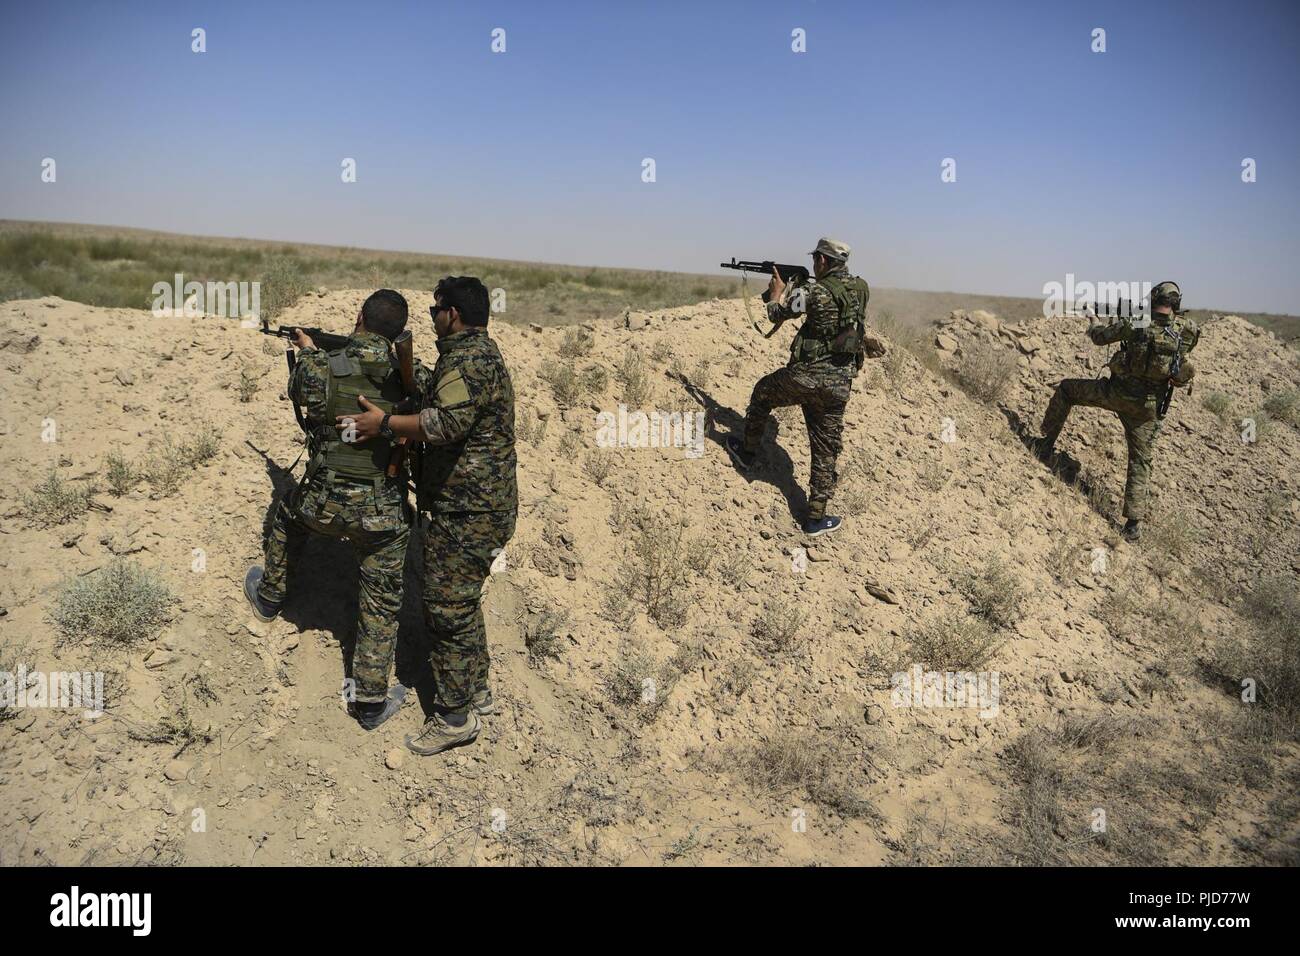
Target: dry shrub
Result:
[[985, 370], [121, 603], [994, 593], [563, 380], [54, 501], [634, 375], [778, 627], [954, 641]]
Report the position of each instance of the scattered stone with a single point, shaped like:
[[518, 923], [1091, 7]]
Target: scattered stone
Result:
[[394, 759], [879, 592]]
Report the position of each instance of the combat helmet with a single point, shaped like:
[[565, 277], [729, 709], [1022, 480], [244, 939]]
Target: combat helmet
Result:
[[1167, 293]]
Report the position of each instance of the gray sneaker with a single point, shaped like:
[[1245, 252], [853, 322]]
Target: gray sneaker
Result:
[[370, 716], [263, 610], [483, 703], [438, 735]]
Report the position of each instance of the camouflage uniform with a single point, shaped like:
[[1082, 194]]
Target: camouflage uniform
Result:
[[468, 487], [1130, 393], [369, 514], [824, 360]]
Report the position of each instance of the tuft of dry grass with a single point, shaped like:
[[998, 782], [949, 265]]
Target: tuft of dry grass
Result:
[[985, 370], [53, 501], [954, 641], [793, 762], [634, 375], [1219, 404], [563, 380], [778, 628], [994, 592]]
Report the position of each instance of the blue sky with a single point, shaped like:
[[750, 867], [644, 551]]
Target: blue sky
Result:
[[1115, 166]]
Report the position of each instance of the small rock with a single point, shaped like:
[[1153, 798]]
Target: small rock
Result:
[[394, 759], [879, 592]]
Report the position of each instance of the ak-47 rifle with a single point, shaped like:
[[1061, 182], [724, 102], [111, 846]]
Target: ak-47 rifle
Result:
[[325, 340], [791, 274]]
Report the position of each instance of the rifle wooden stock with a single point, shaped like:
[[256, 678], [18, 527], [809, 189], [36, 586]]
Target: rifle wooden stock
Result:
[[404, 346]]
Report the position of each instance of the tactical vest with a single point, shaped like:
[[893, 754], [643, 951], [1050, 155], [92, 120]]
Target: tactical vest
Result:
[[350, 377], [1156, 353], [850, 294]]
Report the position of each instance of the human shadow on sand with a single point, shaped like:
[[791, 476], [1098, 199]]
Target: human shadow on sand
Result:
[[774, 465], [323, 587], [1066, 467]]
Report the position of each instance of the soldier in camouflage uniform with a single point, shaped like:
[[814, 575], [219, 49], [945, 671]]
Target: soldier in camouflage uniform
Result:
[[346, 494], [1151, 359], [826, 356], [467, 425]]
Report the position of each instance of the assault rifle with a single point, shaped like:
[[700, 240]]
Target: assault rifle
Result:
[[1175, 367], [792, 275], [325, 340]]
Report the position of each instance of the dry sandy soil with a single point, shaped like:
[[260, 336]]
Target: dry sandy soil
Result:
[[769, 735]]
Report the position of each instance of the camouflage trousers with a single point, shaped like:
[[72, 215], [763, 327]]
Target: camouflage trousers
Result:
[[823, 399], [458, 554], [1136, 409], [372, 520]]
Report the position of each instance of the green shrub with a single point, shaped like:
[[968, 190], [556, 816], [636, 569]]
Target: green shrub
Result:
[[593, 380], [13, 655], [635, 377], [544, 636], [779, 625], [1267, 650]]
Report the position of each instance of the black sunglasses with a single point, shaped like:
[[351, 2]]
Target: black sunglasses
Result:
[[435, 309]]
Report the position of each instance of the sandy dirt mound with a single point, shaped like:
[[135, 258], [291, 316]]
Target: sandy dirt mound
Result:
[[681, 676]]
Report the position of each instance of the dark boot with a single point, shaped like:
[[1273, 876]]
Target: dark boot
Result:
[[371, 715]]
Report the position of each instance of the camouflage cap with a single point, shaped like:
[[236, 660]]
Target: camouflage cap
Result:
[[833, 248]]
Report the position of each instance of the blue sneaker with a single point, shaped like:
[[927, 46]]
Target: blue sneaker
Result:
[[815, 526], [744, 460]]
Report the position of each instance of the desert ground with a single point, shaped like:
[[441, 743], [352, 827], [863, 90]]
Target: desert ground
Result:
[[681, 677]]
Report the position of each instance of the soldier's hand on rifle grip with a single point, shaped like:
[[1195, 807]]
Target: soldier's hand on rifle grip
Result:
[[302, 340], [776, 286]]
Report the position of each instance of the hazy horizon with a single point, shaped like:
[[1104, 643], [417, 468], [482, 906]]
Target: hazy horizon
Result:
[[1114, 166]]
